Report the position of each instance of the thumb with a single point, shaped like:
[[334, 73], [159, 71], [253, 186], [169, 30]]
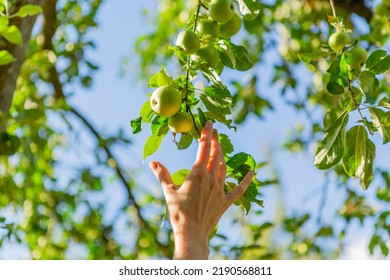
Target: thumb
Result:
[[240, 189], [162, 174]]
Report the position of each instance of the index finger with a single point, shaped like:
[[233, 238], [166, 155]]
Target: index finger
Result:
[[204, 148]]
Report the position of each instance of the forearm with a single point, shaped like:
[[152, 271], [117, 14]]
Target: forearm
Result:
[[190, 245]]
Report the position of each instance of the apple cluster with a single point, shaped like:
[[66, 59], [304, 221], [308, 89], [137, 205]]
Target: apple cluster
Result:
[[355, 57], [219, 21], [166, 102]]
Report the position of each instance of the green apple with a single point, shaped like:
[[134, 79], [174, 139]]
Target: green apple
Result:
[[180, 122], [188, 42], [208, 29], [338, 40], [356, 58], [221, 10], [207, 54], [165, 101], [231, 27]]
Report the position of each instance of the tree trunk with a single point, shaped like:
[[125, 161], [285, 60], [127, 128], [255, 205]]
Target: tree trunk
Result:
[[10, 72]]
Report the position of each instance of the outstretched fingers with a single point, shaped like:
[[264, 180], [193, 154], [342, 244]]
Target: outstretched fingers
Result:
[[240, 189], [204, 148], [215, 155], [222, 171], [162, 174]]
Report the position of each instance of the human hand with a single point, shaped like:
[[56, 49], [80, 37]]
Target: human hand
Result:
[[195, 208]]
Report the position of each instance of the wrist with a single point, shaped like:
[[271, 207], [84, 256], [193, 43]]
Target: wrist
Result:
[[190, 244]]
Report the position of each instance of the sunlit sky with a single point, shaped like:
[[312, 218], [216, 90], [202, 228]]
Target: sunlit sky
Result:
[[114, 101]]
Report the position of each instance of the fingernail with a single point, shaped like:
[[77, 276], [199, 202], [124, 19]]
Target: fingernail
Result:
[[153, 165], [209, 123]]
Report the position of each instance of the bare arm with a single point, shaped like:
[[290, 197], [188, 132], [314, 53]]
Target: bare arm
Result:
[[196, 207]]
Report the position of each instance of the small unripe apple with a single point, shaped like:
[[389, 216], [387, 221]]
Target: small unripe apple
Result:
[[356, 55], [338, 40], [356, 58], [208, 28], [221, 10], [231, 27], [207, 54], [188, 42], [165, 101], [180, 122]]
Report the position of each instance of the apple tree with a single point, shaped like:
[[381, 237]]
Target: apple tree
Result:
[[201, 61]]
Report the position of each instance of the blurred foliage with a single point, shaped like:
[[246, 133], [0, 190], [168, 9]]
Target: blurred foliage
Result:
[[52, 207]]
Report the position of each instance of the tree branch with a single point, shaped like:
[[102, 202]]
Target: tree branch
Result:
[[49, 29], [10, 72]]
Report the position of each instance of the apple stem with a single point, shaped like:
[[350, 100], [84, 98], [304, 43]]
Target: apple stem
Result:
[[363, 119], [333, 9], [188, 70]]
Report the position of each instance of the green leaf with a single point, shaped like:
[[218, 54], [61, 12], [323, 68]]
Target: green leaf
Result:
[[358, 160], [373, 243], [152, 145], [146, 112], [335, 88], [219, 97], [249, 6], [384, 102], [383, 246], [331, 149], [372, 94], [12, 34], [367, 81], [3, 23], [159, 126], [29, 10], [180, 176], [136, 125], [334, 68], [234, 56], [332, 117], [9, 144], [381, 121], [226, 144], [382, 66], [6, 57], [355, 150], [312, 56], [216, 113], [211, 75], [375, 57], [242, 201], [160, 79], [185, 141], [325, 231], [241, 159]]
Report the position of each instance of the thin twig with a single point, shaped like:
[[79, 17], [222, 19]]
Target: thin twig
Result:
[[188, 72], [354, 99]]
